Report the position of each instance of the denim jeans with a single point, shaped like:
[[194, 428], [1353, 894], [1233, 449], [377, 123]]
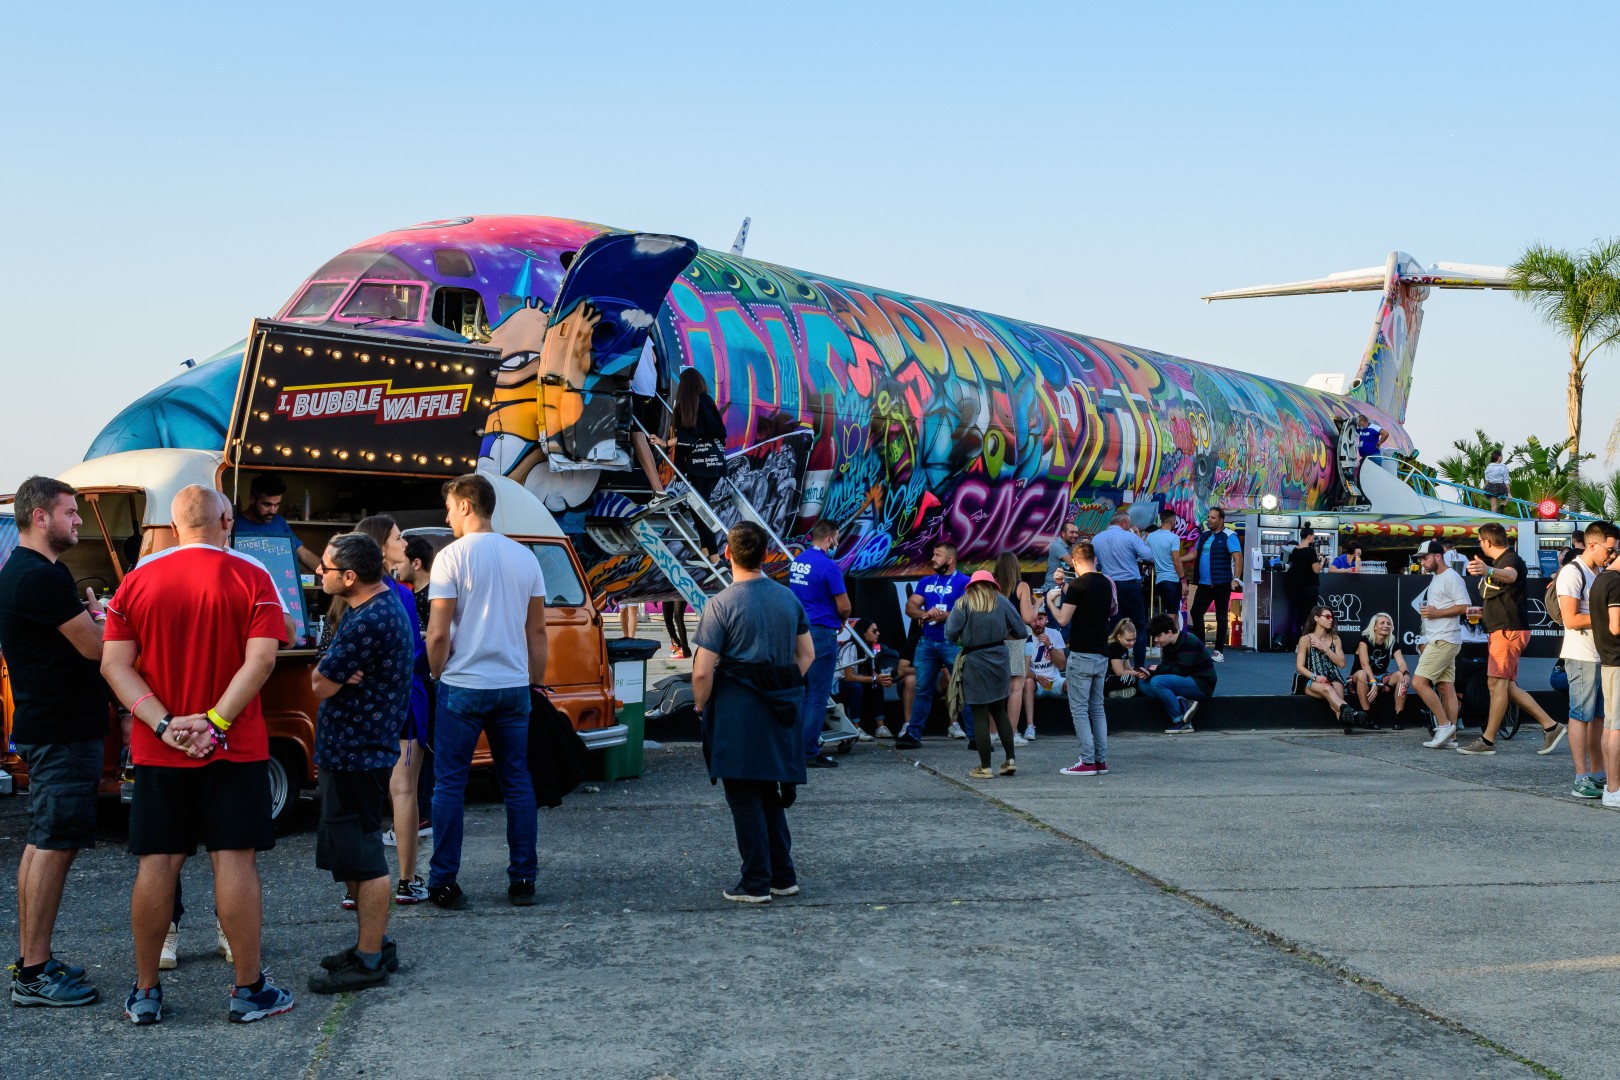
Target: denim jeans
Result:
[[818, 687], [1133, 606], [931, 658], [1166, 688], [1083, 677], [503, 717], [763, 839]]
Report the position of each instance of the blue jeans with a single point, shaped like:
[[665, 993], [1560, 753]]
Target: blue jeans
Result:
[[503, 717], [818, 687], [1133, 606], [1083, 677], [763, 839], [931, 658], [1166, 688]]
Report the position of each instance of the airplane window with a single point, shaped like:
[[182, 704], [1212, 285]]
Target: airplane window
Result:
[[453, 263], [461, 310], [395, 300], [318, 299]]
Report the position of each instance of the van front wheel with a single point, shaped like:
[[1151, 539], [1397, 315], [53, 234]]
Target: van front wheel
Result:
[[285, 768]]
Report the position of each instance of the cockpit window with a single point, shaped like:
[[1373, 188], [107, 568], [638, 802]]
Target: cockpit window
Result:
[[395, 300], [318, 299], [461, 310], [453, 263]]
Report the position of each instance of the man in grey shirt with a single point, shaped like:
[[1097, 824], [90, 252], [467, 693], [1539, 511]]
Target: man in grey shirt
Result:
[[753, 648], [1057, 555]]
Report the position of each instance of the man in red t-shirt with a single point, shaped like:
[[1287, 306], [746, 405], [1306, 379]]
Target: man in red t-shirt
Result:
[[190, 639]]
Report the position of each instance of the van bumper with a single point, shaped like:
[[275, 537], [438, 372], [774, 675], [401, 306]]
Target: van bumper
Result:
[[606, 738]]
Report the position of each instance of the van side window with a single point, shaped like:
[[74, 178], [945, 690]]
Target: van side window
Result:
[[563, 587]]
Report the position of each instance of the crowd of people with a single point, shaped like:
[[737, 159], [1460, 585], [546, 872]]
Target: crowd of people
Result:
[[453, 642]]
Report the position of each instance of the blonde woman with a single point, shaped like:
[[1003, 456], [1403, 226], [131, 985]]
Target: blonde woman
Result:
[[1379, 665], [981, 622], [1122, 677]]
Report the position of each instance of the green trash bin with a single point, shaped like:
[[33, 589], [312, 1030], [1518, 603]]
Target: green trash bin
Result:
[[629, 658]]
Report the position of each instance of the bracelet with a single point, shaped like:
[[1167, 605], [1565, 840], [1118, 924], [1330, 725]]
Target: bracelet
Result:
[[218, 721], [139, 700]]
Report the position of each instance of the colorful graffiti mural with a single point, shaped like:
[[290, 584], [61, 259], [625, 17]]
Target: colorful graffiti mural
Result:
[[904, 420]]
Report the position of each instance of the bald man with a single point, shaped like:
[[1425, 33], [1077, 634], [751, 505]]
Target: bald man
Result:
[[191, 636]]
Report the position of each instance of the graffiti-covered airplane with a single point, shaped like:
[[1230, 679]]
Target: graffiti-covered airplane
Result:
[[902, 419]]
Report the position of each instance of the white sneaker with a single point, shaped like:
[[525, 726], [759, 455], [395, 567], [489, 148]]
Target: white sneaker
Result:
[[883, 732], [955, 731], [223, 947], [1611, 799], [863, 737], [1217, 656], [1019, 740], [1445, 733], [169, 958], [390, 839], [1029, 733]]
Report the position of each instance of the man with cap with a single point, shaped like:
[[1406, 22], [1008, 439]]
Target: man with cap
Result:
[[1436, 676]]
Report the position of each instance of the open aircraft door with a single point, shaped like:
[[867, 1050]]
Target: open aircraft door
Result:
[[605, 309]]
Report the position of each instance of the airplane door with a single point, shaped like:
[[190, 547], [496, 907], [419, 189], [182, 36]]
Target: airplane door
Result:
[[604, 311]]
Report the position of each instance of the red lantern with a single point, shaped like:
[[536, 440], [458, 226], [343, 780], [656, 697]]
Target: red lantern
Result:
[[1548, 508]]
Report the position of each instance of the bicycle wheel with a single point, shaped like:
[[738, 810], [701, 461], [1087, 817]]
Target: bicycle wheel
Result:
[[1510, 722]]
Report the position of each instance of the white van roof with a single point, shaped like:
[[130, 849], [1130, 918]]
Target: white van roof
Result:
[[162, 473]]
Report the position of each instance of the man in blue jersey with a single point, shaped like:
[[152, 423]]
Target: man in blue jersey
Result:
[[262, 517], [931, 604], [818, 583]]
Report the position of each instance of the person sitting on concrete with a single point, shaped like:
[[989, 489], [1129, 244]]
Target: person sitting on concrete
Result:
[[1378, 666], [1319, 667], [1045, 657], [863, 679], [1122, 677], [1184, 677]]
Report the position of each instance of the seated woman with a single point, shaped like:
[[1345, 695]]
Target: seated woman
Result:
[[1319, 666], [1371, 670], [1121, 679], [864, 678]]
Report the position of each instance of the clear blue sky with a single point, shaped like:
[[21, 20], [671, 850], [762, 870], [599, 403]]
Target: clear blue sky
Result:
[[170, 173]]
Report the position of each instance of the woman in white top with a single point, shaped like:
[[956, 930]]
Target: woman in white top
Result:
[[1496, 479]]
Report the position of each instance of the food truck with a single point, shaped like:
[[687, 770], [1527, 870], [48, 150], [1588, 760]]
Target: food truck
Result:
[[373, 445]]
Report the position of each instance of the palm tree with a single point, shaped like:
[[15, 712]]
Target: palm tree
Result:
[[1577, 293], [1467, 465], [1600, 497]]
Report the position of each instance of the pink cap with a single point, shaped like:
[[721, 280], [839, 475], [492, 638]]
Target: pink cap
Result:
[[982, 575]]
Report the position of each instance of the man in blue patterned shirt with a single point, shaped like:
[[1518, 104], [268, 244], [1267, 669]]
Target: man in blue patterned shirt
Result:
[[364, 683]]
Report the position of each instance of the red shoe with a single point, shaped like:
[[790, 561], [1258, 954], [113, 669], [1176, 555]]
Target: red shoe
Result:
[[675, 653], [1080, 768]]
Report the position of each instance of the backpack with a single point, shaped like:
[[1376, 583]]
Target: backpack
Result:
[[1549, 599]]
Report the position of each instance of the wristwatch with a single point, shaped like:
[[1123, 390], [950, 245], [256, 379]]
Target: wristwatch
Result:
[[162, 725]]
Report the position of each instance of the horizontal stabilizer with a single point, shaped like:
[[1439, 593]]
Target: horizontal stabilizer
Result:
[[1442, 275]]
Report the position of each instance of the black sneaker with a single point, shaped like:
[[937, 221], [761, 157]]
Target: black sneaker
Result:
[[821, 761], [352, 975], [907, 741], [447, 896], [521, 892], [390, 958]]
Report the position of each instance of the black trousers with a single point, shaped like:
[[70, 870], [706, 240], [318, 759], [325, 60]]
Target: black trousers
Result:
[[1133, 606], [1203, 597], [1168, 594], [863, 702], [763, 839]]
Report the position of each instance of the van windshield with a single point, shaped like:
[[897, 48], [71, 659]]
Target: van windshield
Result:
[[563, 587]]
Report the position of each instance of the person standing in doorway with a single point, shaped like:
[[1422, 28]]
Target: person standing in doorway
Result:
[[1581, 660], [1217, 556], [486, 646], [930, 604], [1086, 611], [1302, 583], [262, 516], [1120, 553], [753, 648], [1436, 676], [52, 643], [819, 585], [1502, 590], [1169, 575]]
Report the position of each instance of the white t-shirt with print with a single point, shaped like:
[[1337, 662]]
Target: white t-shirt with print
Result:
[[491, 578], [1446, 590], [1575, 580], [1038, 653]]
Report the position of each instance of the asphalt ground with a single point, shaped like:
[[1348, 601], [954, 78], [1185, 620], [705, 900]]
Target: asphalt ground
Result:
[[1222, 905]]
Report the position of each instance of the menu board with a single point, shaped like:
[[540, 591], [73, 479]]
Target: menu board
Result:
[[278, 556]]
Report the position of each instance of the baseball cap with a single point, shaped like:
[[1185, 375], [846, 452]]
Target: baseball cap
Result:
[[1433, 547]]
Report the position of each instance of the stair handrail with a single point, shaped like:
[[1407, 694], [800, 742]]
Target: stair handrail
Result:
[[1474, 498]]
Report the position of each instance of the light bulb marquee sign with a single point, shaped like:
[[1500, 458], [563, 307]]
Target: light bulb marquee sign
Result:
[[313, 398]]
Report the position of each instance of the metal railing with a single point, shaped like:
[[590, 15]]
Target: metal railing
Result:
[[1473, 498]]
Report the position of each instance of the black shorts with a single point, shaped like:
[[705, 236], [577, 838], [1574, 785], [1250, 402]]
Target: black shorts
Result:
[[648, 411], [354, 806], [62, 781], [223, 805]]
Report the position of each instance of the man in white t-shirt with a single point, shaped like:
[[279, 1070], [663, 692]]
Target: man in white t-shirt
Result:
[[1580, 656], [1044, 658], [486, 646], [1436, 676]]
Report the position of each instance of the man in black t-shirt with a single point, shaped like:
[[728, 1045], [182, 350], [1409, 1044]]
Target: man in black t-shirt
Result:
[[52, 644], [1088, 605], [1301, 584], [1502, 591], [1604, 601]]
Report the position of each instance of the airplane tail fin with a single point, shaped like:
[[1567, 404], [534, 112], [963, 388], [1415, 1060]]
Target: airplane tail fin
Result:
[[1384, 379]]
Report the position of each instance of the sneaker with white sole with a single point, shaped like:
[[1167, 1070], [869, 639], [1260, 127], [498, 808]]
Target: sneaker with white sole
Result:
[[54, 987], [271, 1000], [955, 731], [1079, 768], [390, 838], [1019, 740], [1551, 737], [1443, 734], [1586, 788], [222, 944], [144, 1007], [1029, 733], [1479, 747], [883, 732], [1187, 713], [1611, 799], [169, 958], [410, 892], [740, 897], [863, 737], [1217, 656]]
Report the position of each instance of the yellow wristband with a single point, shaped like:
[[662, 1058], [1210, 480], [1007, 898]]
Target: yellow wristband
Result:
[[218, 720]]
